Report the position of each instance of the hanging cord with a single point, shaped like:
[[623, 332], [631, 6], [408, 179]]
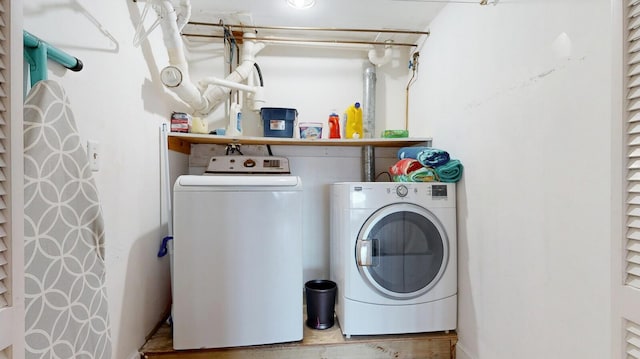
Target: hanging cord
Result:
[[233, 148], [230, 43], [413, 65], [384, 173], [255, 64], [237, 65]]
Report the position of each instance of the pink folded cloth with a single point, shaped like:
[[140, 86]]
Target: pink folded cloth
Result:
[[404, 167]]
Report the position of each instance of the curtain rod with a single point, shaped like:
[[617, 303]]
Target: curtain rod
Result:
[[299, 28], [37, 52]]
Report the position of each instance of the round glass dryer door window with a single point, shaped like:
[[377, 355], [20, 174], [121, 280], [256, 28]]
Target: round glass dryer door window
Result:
[[402, 251]]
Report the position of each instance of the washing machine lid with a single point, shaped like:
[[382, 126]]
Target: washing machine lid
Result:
[[402, 251], [239, 181]]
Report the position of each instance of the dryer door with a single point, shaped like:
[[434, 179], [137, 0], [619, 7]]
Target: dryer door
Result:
[[402, 251]]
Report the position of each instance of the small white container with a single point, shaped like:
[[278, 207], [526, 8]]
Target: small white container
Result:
[[310, 130]]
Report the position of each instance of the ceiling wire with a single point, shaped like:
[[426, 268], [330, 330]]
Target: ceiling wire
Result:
[[230, 43]]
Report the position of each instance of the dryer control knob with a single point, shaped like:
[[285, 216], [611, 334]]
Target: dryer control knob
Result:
[[402, 190]]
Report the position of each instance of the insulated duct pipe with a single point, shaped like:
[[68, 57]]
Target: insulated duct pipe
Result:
[[368, 163], [369, 123], [369, 102]]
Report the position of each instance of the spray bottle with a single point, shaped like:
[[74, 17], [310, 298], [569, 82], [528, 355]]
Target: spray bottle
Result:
[[354, 121]]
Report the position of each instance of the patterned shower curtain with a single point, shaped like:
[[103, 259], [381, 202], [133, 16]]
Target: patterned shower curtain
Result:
[[65, 292]]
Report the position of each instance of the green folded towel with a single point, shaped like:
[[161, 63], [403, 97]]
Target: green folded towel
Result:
[[424, 174], [400, 178], [450, 172]]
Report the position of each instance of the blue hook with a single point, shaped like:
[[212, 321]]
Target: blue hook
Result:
[[163, 247]]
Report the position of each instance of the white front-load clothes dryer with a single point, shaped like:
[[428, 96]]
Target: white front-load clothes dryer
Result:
[[393, 257]]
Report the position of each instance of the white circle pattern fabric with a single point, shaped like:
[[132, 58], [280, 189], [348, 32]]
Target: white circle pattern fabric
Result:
[[65, 291]]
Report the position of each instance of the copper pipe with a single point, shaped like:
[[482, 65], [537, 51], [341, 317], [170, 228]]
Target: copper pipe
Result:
[[302, 28], [319, 41]]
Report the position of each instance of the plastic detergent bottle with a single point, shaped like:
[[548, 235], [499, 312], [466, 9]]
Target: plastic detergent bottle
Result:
[[235, 120], [334, 125], [354, 121]]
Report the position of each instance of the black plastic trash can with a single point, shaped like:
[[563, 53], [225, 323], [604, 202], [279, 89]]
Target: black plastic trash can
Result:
[[321, 298]]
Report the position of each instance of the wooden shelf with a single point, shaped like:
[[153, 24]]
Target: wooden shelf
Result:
[[328, 343], [181, 142]]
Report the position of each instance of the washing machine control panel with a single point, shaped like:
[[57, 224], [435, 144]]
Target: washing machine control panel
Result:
[[242, 165]]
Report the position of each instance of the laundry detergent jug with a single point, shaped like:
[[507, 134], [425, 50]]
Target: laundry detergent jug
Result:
[[353, 121]]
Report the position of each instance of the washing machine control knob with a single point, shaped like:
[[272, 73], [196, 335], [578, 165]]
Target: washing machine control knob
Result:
[[402, 190]]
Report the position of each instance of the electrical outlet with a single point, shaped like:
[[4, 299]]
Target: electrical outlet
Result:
[[93, 152]]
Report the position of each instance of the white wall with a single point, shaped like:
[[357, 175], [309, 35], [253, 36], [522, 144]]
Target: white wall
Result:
[[118, 102], [314, 80], [520, 92]]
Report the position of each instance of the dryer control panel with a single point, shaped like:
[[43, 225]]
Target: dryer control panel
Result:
[[402, 190], [434, 191], [439, 190], [375, 194]]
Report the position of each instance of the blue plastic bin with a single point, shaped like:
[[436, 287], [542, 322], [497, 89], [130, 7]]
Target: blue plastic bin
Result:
[[278, 122]]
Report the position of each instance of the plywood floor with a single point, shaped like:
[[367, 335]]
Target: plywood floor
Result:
[[325, 344]]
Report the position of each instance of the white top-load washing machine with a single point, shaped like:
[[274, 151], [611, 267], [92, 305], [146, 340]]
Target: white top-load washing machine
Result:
[[393, 256], [237, 254]]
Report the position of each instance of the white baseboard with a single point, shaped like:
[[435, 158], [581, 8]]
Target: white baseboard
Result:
[[461, 353]]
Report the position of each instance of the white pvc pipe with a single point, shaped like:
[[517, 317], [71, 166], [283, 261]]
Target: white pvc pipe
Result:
[[201, 103], [185, 14], [216, 94], [228, 84], [186, 90], [379, 61]]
